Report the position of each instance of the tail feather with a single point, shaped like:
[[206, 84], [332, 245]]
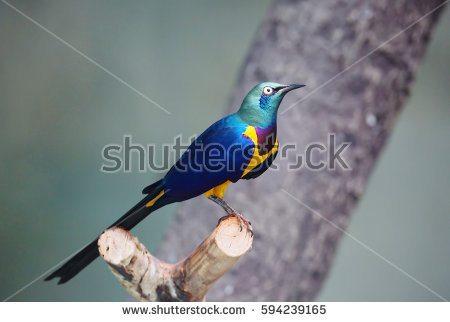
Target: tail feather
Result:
[[130, 219]]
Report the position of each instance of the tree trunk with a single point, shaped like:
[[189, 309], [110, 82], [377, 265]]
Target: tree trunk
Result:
[[310, 42]]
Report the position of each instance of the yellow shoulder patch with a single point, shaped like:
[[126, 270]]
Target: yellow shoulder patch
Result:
[[257, 159]]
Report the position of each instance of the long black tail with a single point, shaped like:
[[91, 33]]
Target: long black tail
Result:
[[135, 215]]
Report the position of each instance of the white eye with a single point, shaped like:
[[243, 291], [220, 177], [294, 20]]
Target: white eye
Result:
[[267, 90]]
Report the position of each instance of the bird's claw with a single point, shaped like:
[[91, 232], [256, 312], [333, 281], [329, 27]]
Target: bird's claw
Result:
[[241, 220]]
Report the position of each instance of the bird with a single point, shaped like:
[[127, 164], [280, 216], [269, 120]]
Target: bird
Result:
[[240, 146]]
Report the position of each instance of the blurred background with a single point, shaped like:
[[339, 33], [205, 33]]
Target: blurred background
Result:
[[58, 110]]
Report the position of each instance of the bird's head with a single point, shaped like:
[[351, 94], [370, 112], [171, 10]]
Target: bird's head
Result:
[[260, 106]]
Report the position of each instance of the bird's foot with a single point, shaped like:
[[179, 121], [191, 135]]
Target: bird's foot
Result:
[[231, 213], [240, 218]]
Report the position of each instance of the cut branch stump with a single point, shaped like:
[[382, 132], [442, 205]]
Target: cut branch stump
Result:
[[147, 278]]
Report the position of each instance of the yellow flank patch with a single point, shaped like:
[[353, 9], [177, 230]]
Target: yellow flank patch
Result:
[[257, 159], [218, 191], [152, 202]]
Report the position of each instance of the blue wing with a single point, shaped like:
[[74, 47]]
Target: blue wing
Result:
[[219, 154]]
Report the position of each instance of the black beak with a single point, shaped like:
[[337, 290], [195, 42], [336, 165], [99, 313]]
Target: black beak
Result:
[[290, 88]]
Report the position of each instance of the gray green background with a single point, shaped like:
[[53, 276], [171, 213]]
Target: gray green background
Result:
[[57, 111]]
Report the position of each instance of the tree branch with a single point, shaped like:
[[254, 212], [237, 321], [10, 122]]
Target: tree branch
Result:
[[147, 278]]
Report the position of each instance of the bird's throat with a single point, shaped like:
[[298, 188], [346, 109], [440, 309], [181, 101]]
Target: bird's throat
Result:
[[266, 138]]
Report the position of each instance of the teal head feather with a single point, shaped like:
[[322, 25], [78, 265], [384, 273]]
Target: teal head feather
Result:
[[260, 106]]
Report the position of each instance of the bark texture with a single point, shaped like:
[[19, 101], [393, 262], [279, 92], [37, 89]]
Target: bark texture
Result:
[[147, 278], [310, 42]]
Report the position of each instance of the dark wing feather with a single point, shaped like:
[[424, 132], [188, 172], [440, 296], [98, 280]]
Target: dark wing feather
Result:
[[260, 169]]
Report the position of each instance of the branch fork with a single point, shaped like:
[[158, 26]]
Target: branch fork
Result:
[[147, 278]]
